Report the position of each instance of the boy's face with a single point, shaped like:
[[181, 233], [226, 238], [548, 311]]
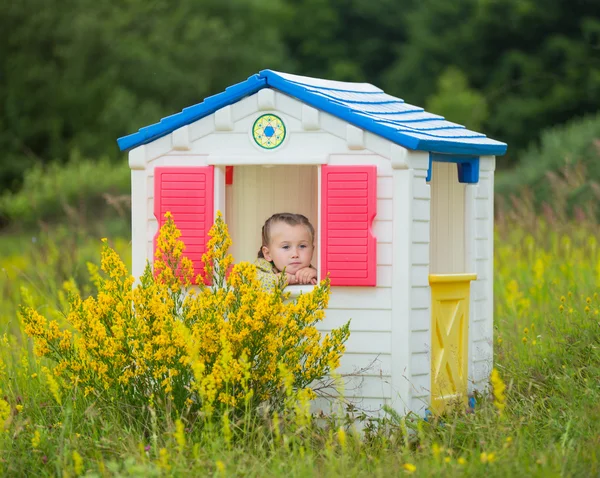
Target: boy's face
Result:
[[290, 247]]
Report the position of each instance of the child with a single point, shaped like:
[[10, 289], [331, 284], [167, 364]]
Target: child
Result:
[[287, 247]]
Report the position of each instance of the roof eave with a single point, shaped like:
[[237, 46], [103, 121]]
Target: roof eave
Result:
[[269, 78], [192, 113], [496, 148]]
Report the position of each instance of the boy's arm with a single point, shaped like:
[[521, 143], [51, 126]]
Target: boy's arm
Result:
[[307, 275], [291, 279]]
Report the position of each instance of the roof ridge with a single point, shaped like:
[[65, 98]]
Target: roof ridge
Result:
[[321, 94]]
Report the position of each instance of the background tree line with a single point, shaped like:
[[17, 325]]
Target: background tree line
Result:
[[77, 74]]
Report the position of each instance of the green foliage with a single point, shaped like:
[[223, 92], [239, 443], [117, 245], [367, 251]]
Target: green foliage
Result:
[[163, 345], [80, 191], [544, 290], [80, 81], [454, 99], [561, 175], [536, 62], [346, 40]]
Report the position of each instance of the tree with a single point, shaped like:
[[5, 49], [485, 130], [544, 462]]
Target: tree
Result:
[[537, 62], [80, 81], [455, 100]]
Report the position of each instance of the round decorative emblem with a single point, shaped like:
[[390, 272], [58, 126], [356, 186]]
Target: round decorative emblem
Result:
[[268, 131]]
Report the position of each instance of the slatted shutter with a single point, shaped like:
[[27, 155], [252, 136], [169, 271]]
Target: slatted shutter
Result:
[[188, 193], [348, 208]]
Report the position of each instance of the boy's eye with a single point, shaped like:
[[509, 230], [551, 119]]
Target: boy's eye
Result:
[[303, 246], [286, 247]]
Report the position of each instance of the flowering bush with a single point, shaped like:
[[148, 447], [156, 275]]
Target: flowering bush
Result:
[[229, 344]]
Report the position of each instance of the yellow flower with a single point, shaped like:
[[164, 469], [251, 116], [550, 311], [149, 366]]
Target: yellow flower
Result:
[[180, 434], [77, 463], [487, 457], [409, 468], [461, 461], [498, 387], [163, 459], [4, 413], [220, 467], [36, 439], [232, 338], [436, 450], [342, 437]]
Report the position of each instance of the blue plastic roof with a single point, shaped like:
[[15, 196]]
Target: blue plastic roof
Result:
[[360, 104]]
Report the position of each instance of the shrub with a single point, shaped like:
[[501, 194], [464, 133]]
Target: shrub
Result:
[[70, 191], [561, 175], [230, 345]]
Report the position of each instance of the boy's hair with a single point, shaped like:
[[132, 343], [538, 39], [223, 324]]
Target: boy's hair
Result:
[[288, 218]]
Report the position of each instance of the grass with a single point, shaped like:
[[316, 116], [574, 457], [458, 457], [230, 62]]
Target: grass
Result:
[[547, 352], [81, 191], [559, 176]]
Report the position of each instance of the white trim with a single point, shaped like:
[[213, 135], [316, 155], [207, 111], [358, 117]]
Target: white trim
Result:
[[256, 160], [398, 156], [401, 288], [470, 266], [266, 99], [355, 138], [181, 139], [296, 290], [224, 119], [159, 147], [310, 118], [219, 191], [319, 223], [137, 158], [139, 221]]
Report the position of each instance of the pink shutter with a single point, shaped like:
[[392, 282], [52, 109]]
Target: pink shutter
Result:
[[348, 208], [188, 193]]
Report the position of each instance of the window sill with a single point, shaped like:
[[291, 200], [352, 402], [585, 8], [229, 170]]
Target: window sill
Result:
[[296, 290]]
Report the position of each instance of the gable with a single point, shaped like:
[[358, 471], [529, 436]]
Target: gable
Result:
[[360, 104], [225, 137]]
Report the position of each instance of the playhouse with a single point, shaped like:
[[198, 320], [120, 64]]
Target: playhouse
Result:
[[402, 204]]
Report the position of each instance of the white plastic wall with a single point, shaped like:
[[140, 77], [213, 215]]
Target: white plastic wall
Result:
[[411, 294], [480, 240], [368, 362], [380, 335]]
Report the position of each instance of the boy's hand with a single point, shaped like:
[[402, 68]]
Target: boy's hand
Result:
[[307, 275], [291, 279]]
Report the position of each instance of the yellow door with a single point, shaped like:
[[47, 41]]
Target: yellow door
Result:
[[449, 338]]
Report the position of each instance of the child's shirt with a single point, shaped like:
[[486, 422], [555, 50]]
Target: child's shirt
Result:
[[266, 273]]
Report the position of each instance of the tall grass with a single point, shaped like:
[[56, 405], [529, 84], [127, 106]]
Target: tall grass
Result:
[[80, 192], [565, 162], [547, 353]]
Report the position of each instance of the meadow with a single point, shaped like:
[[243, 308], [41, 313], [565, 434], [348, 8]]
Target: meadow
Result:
[[541, 417]]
